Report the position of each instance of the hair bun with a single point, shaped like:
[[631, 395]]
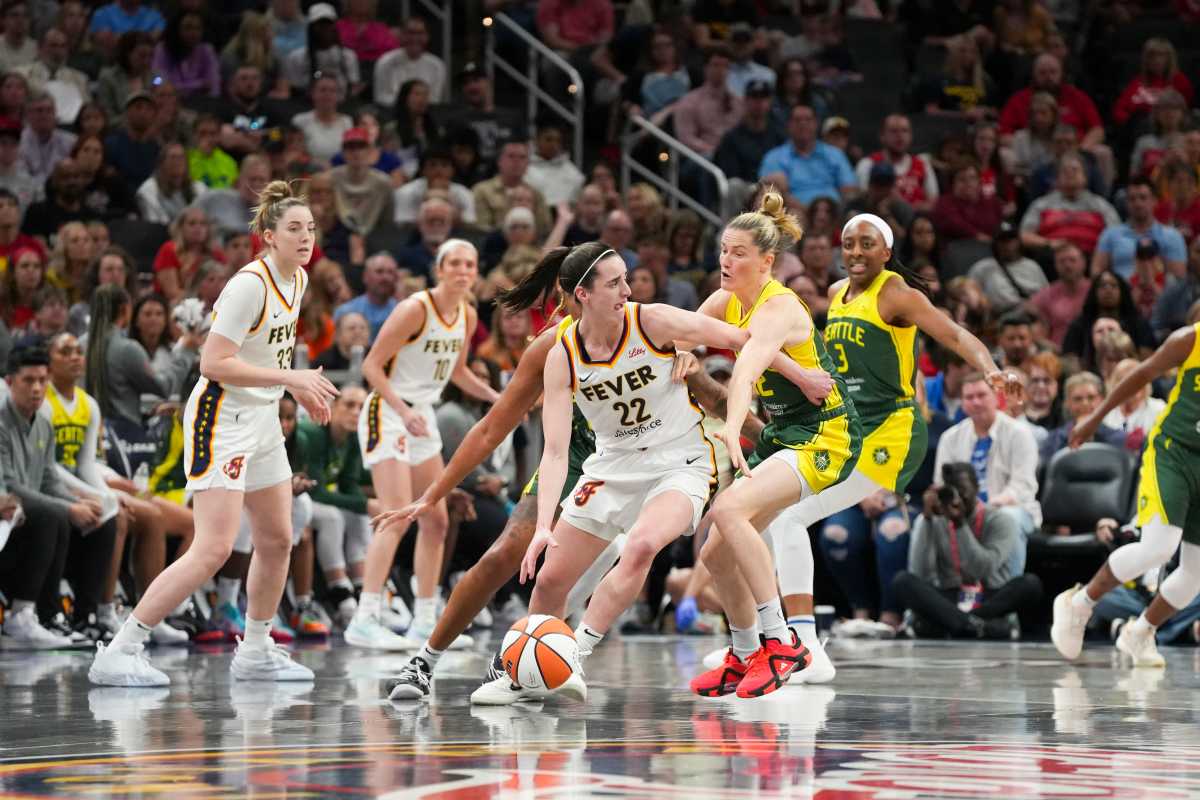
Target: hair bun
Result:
[[772, 205], [276, 191]]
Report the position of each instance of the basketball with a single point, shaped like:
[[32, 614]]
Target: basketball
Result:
[[539, 652]]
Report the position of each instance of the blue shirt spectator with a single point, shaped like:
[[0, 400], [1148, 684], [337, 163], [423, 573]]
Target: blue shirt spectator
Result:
[[1117, 247], [128, 16], [379, 280], [806, 168]]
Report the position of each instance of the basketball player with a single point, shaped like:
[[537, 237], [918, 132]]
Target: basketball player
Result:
[[234, 451], [871, 334], [1168, 507], [421, 348]]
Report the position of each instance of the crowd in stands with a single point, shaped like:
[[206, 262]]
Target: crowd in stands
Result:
[[1038, 162]]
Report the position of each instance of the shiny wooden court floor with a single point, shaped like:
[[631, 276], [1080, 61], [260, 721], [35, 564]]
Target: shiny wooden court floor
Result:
[[902, 720]]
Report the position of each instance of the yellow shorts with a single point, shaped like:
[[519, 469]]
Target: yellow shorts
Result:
[[893, 447], [822, 453]]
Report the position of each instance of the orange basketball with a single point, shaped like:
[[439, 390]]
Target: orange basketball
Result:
[[539, 652]]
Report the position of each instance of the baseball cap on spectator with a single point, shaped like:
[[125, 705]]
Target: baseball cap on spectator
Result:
[[471, 70], [136, 96], [518, 215], [321, 11], [758, 89], [355, 136], [1007, 231], [10, 127], [1146, 248], [834, 124], [882, 174], [741, 32], [717, 365]]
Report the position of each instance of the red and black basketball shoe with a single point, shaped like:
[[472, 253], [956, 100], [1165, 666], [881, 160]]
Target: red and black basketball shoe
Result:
[[771, 666], [722, 680]]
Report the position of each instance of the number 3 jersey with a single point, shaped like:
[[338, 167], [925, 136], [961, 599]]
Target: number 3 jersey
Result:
[[258, 310], [629, 398], [421, 368]]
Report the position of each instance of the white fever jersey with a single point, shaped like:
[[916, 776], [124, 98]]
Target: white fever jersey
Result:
[[421, 368], [259, 311], [629, 398]]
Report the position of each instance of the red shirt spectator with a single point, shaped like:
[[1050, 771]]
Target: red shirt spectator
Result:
[[1074, 107], [168, 258], [916, 181], [965, 213], [1159, 71], [363, 33], [567, 25], [1181, 207]]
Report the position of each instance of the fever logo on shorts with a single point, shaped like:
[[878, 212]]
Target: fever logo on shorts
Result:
[[233, 468], [881, 456], [585, 492], [821, 460], [402, 444]]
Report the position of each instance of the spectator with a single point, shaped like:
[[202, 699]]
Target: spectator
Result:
[[435, 220], [324, 126], [289, 30], [247, 115], [410, 61], [960, 582], [1159, 71], [378, 298], [105, 193], [646, 209], [207, 162], [705, 114], [551, 170], [414, 128], [166, 193], [517, 234], [1060, 303], [328, 290], [921, 244], [323, 54], [916, 181], [42, 144], [363, 195], [193, 241], [685, 240], [963, 88], [363, 32], [19, 49], [229, 210], [569, 26], [133, 149], [744, 146], [476, 109], [1068, 214], [437, 171], [589, 216], [130, 74], [653, 254], [1108, 298], [469, 167], [25, 275], [881, 199], [121, 17], [385, 161], [816, 254], [253, 46], [805, 168], [36, 553], [1082, 392], [1015, 341], [1003, 453], [1042, 408], [113, 267], [49, 316], [510, 335], [63, 204], [71, 86], [208, 280], [1008, 278], [352, 336], [795, 88], [82, 52], [966, 213], [617, 233], [743, 69], [185, 59], [1032, 146], [655, 90], [493, 197], [14, 178], [1172, 307], [69, 262], [1149, 276], [1075, 109], [1137, 415], [1180, 207], [11, 235], [148, 328], [994, 176], [173, 122], [1167, 120], [1118, 245], [14, 94]]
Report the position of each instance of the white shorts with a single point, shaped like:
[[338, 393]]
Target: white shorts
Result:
[[613, 488], [382, 435], [229, 446]]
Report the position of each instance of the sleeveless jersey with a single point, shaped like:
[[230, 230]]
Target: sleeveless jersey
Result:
[[421, 368], [271, 340], [782, 398], [629, 399], [70, 427], [877, 360], [1180, 420]]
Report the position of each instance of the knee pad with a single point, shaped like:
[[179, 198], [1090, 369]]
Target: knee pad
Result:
[[302, 512], [330, 528], [1158, 543], [1181, 586]]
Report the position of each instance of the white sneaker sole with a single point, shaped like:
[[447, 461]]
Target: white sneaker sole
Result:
[[486, 696], [1139, 663], [574, 689], [821, 670], [405, 691], [254, 673], [399, 645], [1060, 629], [101, 678]]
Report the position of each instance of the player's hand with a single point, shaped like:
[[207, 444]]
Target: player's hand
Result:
[[733, 443], [542, 538], [1007, 383], [685, 364], [84, 514], [414, 423], [1083, 431], [315, 404], [301, 483], [401, 516], [815, 383], [311, 381]]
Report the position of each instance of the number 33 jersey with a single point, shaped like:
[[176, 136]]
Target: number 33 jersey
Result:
[[629, 398], [421, 368], [258, 310]]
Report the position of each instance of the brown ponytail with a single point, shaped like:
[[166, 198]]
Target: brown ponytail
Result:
[[273, 202]]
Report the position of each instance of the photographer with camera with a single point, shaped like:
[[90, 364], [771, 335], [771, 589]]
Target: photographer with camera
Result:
[[959, 584]]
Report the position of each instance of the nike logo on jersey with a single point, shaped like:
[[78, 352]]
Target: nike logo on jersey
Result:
[[587, 377], [692, 460], [276, 315]]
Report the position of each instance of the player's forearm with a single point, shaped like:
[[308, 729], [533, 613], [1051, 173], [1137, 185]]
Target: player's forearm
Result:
[[377, 380], [552, 474], [974, 352], [236, 372]]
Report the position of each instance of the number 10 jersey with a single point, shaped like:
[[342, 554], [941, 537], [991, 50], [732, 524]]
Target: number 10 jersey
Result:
[[421, 368]]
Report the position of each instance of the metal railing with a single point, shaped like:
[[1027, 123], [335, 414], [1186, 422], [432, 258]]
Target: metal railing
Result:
[[538, 52], [443, 13], [675, 152]]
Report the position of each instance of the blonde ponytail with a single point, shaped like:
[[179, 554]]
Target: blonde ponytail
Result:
[[773, 227]]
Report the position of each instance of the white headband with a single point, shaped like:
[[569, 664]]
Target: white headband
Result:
[[875, 222], [589, 269]]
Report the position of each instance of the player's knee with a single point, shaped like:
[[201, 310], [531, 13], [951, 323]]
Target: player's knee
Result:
[[728, 509], [713, 550], [505, 555], [893, 527], [638, 554], [435, 523], [212, 556], [273, 542], [552, 584]]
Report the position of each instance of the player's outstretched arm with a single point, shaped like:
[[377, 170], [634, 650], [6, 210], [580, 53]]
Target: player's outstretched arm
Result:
[[552, 472]]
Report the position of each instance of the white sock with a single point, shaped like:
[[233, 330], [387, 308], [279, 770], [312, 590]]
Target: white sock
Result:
[[1081, 600], [429, 655], [745, 641], [805, 626], [227, 591], [588, 639], [1141, 625], [303, 600], [132, 632], [257, 633], [771, 621], [425, 611], [370, 605], [21, 605]]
